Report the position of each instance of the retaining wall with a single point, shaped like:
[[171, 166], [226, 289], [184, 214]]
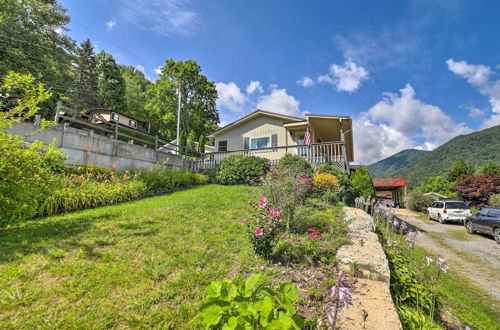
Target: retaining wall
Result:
[[86, 147], [372, 307]]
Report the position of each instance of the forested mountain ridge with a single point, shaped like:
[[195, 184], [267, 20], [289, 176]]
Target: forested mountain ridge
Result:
[[475, 148]]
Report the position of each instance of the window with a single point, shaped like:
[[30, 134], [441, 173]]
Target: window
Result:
[[302, 151], [456, 205], [132, 123], [262, 142], [222, 145], [115, 116]]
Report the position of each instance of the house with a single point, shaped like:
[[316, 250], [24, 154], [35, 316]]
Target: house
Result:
[[171, 147], [272, 135], [101, 115]]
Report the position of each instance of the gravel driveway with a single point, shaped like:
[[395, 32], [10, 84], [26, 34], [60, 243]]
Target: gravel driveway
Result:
[[476, 257]]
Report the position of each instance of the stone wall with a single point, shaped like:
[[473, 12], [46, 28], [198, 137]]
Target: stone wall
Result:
[[372, 307], [86, 147]]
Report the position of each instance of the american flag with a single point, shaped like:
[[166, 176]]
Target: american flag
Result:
[[307, 137]]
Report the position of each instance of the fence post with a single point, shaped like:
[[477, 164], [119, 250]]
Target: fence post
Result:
[[115, 146], [58, 109], [156, 148]]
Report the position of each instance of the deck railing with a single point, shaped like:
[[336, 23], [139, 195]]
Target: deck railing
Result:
[[315, 154]]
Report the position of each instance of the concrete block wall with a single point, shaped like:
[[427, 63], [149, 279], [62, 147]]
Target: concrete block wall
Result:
[[86, 147]]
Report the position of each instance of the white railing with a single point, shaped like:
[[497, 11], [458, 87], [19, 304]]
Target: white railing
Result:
[[315, 154]]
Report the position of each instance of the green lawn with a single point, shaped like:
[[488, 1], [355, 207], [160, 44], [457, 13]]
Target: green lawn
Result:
[[139, 264]]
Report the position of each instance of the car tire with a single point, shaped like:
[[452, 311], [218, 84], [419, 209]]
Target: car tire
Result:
[[441, 220], [496, 234], [468, 226]]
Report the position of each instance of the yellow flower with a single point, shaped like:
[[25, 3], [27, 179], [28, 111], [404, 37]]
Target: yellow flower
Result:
[[325, 180], [37, 176]]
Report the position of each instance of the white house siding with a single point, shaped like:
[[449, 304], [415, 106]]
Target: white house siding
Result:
[[261, 126]]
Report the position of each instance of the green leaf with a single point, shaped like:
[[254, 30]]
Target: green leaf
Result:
[[265, 307], [212, 314], [231, 324], [246, 309], [228, 290], [290, 291], [250, 283], [214, 289]]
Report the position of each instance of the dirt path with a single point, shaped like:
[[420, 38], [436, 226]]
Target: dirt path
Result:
[[475, 257]]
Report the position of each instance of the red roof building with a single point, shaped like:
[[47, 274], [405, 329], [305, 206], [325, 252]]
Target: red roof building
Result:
[[391, 187]]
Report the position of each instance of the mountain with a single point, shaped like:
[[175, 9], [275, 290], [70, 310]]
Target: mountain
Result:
[[395, 162], [476, 148]]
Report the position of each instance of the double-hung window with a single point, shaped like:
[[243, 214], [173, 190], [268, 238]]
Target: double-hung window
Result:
[[261, 142], [115, 116], [222, 145], [132, 123]]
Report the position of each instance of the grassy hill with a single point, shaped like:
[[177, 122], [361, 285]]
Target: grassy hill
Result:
[[476, 148], [397, 161]]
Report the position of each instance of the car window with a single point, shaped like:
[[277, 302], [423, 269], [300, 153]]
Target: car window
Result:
[[483, 212], [494, 213], [440, 205], [456, 205]]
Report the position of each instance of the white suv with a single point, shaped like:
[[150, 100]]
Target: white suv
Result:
[[448, 210]]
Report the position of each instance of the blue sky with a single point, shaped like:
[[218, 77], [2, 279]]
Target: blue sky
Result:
[[412, 74]]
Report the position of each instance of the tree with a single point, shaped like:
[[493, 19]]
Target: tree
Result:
[[198, 96], [459, 169], [490, 168], [136, 85], [31, 42], [362, 182], [110, 82], [201, 144], [477, 189], [437, 184], [85, 89]]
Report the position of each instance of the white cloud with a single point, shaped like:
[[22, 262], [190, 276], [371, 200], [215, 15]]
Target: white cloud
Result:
[[479, 76], [279, 101], [346, 77], [230, 96], [165, 17], [59, 30], [397, 121], [110, 25], [140, 68], [254, 86], [475, 112], [305, 82], [158, 70]]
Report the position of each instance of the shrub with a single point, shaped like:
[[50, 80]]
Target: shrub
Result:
[[418, 202], [250, 304], [238, 169], [160, 179], [82, 193], [264, 226], [362, 182], [477, 189], [311, 215], [346, 191], [495, 200], [285, 189], [309, 249], [325, 181], [296, 164]]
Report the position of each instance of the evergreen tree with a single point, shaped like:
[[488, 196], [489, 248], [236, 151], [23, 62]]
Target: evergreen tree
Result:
[[362, 183], [459, 169], [110, 82], [491, 168], [85, 89]]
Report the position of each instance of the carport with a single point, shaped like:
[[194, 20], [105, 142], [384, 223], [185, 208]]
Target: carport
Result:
[[391, 187]]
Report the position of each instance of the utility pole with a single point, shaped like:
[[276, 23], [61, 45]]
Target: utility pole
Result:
[[178, 116]]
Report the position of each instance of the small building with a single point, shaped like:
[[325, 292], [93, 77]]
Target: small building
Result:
[[319, 139], [435, 195], [101, 115], [390, 189]]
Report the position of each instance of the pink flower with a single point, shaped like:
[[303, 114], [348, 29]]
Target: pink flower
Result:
[[274, 213], [263, 217], [315, 236], [281, 220], [243, 221], [259, 231], [262, 202], [273, 173]]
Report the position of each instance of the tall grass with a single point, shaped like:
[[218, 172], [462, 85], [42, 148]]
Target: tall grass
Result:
[[160, 179]]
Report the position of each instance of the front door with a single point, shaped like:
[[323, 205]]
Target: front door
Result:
[[302, 151]]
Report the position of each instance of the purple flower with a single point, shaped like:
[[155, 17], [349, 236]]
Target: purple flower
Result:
[[428, 260]]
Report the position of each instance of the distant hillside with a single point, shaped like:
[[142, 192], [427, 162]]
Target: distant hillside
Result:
[[395, 162], [476, 148]]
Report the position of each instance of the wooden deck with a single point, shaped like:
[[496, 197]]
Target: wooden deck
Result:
[[316, 154]]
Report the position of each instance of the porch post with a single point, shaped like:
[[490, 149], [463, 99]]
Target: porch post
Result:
[[344, 153]]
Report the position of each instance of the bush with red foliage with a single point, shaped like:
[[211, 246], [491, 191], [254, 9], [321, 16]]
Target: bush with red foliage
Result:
[[477, 189]]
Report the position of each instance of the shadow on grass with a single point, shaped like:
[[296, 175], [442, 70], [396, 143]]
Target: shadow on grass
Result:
[[36, 237]]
